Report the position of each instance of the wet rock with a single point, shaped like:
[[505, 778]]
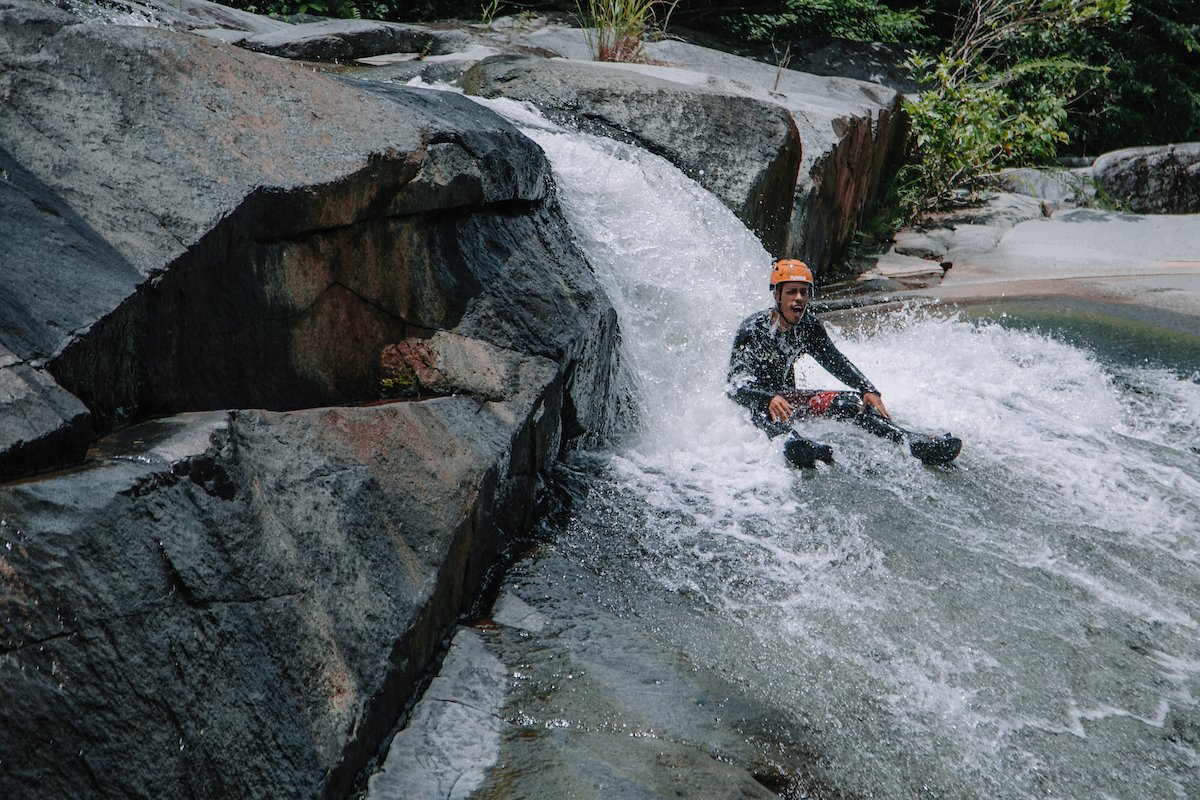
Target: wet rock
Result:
[[194, 228], [41, 425], [1152, 180], [453, 735], [852, 136], [851, 133], [743, 150], [566, 704], [269, 585]]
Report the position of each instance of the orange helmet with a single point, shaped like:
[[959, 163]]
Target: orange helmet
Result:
[[790, 269]]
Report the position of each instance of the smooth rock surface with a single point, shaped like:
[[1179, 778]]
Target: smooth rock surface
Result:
[[850, 131], [453, 735], [743, 150], [1145, 266]]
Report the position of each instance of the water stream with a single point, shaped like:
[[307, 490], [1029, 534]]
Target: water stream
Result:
[[1022, 625]]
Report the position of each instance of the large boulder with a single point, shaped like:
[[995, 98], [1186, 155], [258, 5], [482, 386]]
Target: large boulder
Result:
[[1152, 180], [230, 602], [271, 242], [852, 132], [744, 150], [239, 604], [347, 39]]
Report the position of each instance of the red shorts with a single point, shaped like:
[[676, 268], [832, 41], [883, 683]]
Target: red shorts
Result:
[[812, 402]]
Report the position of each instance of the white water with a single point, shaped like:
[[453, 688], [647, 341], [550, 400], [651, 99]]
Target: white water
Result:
[[1023, 625]]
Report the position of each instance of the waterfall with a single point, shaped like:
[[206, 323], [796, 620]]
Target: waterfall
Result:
[[1021, 625]]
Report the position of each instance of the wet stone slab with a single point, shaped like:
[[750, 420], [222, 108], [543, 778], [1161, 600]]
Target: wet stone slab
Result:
[[558, 696]]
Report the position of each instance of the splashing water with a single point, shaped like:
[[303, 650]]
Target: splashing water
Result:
[[1022, 625]]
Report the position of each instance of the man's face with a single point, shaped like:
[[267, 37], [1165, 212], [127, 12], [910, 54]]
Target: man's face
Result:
[[793, 298]]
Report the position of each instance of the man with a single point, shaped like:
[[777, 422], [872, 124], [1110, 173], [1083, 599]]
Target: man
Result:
[[761, 376]]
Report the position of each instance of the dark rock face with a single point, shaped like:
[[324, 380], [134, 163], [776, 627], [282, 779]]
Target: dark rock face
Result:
[[743, 150], [346, 39], [264, 220], [1152, 180], [42, 425], [844, 186], [852, 132], [237, 603]]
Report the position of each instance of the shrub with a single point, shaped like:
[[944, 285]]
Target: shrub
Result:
[[856, 20], [992, 99]]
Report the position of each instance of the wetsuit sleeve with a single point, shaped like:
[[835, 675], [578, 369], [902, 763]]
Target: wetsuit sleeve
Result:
[[822, 349], [746, 371]]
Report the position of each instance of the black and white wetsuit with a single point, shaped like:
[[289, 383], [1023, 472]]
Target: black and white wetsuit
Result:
[[760, 367]]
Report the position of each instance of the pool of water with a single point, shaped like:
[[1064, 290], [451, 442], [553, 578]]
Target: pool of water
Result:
[[1022, 624]]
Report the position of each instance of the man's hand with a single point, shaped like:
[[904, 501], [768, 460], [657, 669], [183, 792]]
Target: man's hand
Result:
[[780, 409], [873, 400]]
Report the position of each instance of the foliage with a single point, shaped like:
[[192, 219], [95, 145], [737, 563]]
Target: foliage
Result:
[[616, 27], [1143, 85], [993, 98], [343, 9], [490, 9], [857, 20], [1150, 93]]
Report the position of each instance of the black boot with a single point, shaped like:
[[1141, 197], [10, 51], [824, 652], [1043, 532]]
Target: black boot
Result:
[[936, 449], [805, 453]]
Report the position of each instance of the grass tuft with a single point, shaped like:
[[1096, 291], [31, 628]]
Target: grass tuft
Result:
[[617, 26]]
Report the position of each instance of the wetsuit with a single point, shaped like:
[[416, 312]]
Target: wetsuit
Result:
[[761, 367]]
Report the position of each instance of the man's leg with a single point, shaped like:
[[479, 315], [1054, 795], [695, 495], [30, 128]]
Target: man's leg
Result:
[[928, 448], [824, 403], [804, 452], [849, 405], [846, 405], [880, 426]]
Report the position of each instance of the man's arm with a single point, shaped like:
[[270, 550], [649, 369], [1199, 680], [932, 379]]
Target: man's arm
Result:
[[823, 351], [746, 365]]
